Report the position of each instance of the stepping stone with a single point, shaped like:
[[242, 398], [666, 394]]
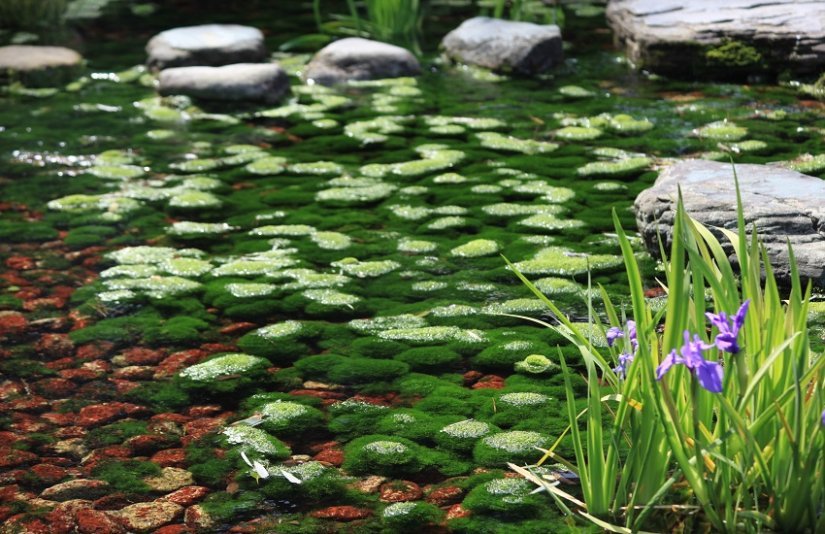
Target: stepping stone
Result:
[[785, 206], [503, 45], [210, 44], [354, 58], [39, 65], [696, 37], [257, 82]]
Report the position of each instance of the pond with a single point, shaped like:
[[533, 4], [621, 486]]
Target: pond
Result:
[[322, 284]]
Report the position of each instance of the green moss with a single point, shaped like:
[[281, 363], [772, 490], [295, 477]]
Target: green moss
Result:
[[176, 331], [429, 359], [462, 435], [223, 507], [504, 355], [126, 476], [366, 370], [161, 395], [733, 54], [535, 364], [509, 497], [114, 434], [560, 261], [411, 516], [621, 167], [280, 342], [385, 455], [515, 446], [352, 418], [578, 133], [497, 141], [721, 131], [290, 418], [316, 367], [255, 440], [318, 483]]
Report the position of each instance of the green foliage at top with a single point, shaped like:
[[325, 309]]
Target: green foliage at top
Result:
[[31, 14]]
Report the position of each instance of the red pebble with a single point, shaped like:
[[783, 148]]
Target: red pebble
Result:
[[400, 490], [49, 474], [237, 328], [143, 356], [169, 458], [20, 263], [188, 495], [456, 511], [445, 496], [489, 382], [342, 513], [91, 521], [12, 323], [331, 456]]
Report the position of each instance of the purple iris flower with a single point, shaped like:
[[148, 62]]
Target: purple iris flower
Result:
[[625, 360], [823, 417], [708, 373], [613, 333], [726, 338]]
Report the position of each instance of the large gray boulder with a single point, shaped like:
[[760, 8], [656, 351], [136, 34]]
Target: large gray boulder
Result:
[[785, 205], [690, 37], [354, 58], [210, 44], [39, 65], [257, 82], [503, 45]]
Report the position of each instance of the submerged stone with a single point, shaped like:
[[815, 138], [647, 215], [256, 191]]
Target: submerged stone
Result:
[[209, 44], [520, 47], [785, 205], [255, 82], [354, 58]]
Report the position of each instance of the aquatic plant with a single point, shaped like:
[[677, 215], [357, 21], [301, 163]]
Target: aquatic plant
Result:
[[737, 419]]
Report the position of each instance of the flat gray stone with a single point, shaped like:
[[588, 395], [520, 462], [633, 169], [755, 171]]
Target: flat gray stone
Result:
[[255, 82], [354, 58], [210, 44], [39, 63], [673, 36], [785, 205], [503, 45]]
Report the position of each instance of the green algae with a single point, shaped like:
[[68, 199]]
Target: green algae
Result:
[[620, 167], [222, 366], [497, 141], [721, 131], [578, 133], [267, 166], [476, 248], [560, 261]]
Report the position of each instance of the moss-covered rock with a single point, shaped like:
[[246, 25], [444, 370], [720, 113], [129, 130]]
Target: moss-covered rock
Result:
[[515, 446], [385, 455], [411, 516], [509, 497], [462, 435], [290, 418], [253, 439], [224, 373]]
